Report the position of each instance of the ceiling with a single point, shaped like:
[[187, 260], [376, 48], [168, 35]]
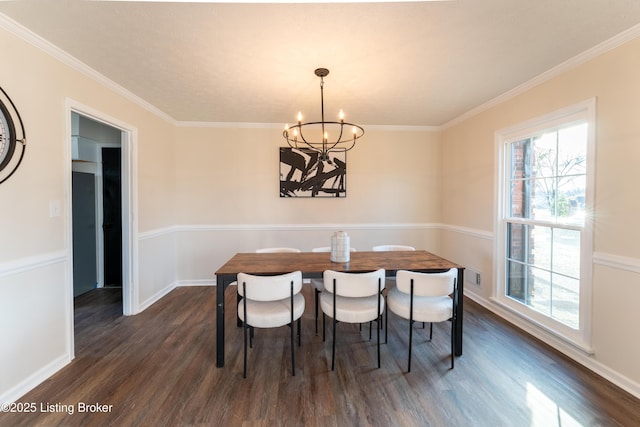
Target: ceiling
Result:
[[403, 64]]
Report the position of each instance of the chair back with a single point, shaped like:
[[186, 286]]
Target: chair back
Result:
[[427, 284], [354, 284], [269, 288], [383, 248], [328, 249], [275, 250]]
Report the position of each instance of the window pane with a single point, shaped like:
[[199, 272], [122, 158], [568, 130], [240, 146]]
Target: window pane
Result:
[[521, 206], [545, 155], [520, 159], [570, 200], [540, 247], [541, 291], [518, 242], [566, 252], [517, 286], [544, 200], [520, 187], [566, 299], [572, 150]]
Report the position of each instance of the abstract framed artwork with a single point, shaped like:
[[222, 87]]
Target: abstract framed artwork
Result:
[[303, 174]]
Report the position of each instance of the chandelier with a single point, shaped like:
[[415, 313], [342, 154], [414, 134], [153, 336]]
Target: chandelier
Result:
[[324, 136]]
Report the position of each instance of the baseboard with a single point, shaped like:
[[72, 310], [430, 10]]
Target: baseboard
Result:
[[568, 350], [198, 282], [156, 297], [34, 380]]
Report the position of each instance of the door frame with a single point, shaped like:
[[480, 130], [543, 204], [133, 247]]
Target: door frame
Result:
[[129, 143]]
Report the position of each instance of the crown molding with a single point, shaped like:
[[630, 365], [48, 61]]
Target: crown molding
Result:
[[32, 38], [604, 47]]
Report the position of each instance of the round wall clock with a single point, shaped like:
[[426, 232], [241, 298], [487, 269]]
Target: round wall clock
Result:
[[12, 137]]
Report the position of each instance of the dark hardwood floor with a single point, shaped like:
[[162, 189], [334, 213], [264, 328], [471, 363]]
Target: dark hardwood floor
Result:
[[158, 369]]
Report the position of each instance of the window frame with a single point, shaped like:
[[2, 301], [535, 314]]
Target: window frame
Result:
[[583, 111]]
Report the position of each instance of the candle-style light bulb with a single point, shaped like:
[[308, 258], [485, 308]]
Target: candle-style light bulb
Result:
[[341, 115], [299, 117], [355, 132], [326, 137], [295, 134]]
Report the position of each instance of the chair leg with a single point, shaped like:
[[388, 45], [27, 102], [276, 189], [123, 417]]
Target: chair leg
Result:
[[244, 332], [299, 334], [386, 326], [293, 357], [333, 350], [378, 331], [250, 336], [453, 341], [410, 343], [370, 330], [317, 293], [430, 331], [323, 328]]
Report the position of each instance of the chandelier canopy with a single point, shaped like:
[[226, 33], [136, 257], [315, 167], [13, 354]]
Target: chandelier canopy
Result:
[[323, 136]]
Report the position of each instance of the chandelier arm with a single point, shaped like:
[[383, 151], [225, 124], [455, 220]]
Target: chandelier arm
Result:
[[300, 132], [287, 132], [340, 135]]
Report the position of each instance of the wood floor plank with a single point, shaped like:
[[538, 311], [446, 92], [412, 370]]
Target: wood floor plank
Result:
[[158, 369]]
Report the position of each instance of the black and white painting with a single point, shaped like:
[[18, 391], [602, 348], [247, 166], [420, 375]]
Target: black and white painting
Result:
[[303, 174]]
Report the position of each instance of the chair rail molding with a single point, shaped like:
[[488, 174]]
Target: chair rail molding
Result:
[[617, 261], [21, 265]]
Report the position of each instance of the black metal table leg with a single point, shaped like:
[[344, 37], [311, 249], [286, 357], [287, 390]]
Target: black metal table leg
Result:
[[460, 290]]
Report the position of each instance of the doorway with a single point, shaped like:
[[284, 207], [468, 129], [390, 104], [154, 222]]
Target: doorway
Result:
[[104, 148], [96, 204]]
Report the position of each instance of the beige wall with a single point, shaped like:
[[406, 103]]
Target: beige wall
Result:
[[230, 176], [469, 173]]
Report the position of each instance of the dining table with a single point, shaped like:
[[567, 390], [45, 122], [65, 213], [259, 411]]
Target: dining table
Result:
[[313, 264]]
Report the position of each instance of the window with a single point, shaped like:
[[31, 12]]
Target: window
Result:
[[544, 248]]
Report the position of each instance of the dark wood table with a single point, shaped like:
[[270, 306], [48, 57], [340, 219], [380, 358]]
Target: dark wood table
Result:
[[313, 264]]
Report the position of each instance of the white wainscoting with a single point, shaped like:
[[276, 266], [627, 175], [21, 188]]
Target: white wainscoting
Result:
[[202, 249], [37, 340]]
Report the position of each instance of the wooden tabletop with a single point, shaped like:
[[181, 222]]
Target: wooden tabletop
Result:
[[317, 262]]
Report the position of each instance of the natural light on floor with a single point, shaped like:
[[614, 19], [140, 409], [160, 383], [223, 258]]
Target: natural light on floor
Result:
[[545, 412]]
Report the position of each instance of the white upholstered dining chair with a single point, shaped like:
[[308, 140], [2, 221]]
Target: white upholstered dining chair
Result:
[[275, 250], [390, 280], [352, 298], [318, 284], [270, 302], [425, 297], [383, 248], [265, 251]]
